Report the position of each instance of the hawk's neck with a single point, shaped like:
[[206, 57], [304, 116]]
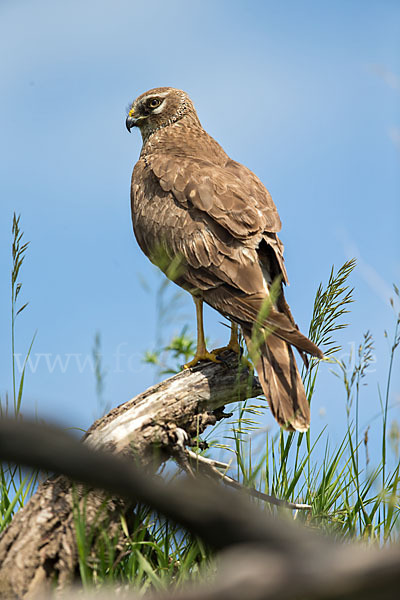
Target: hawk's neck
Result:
[[184, 138]]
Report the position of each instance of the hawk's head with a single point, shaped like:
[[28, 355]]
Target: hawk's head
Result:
[[158, 108]]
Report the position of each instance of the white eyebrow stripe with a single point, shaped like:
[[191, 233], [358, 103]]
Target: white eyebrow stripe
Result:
[[161, 95]]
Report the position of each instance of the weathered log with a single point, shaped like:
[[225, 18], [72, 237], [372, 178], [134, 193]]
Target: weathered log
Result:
[[39, 548]]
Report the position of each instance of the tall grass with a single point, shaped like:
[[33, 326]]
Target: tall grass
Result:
[[18, 251], [15, 485]]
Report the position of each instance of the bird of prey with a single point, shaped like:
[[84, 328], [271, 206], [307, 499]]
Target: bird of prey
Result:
[[210, 224]]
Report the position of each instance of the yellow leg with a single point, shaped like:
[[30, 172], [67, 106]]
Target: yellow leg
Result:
[[233, 346], [233, 343], [201, 351]]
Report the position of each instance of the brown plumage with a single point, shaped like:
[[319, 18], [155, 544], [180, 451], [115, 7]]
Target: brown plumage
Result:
[[214, 221]]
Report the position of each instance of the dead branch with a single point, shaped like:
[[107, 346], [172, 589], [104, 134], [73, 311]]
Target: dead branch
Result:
[[40, 545], [208, 466]]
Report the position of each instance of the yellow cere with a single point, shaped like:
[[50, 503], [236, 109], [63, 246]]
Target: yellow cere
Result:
[[131, 112]]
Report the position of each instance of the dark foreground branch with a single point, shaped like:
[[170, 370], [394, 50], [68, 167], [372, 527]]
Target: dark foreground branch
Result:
[[40, 545], [261, 557]]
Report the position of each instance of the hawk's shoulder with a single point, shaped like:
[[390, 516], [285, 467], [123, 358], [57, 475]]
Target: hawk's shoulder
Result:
[[192, 166]]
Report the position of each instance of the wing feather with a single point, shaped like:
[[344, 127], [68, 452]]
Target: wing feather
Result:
[[234, 198]]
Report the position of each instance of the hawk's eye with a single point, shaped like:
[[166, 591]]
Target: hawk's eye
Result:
[[153, 103]]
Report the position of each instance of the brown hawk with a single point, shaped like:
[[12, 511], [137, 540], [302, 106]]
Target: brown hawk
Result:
[[210, 224]]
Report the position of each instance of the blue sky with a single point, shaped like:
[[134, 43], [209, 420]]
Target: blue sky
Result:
[[306, 94]]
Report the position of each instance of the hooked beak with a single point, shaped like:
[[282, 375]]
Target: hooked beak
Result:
[[130, 122]]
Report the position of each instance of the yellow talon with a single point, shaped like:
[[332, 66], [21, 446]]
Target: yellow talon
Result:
[[198, 357]]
